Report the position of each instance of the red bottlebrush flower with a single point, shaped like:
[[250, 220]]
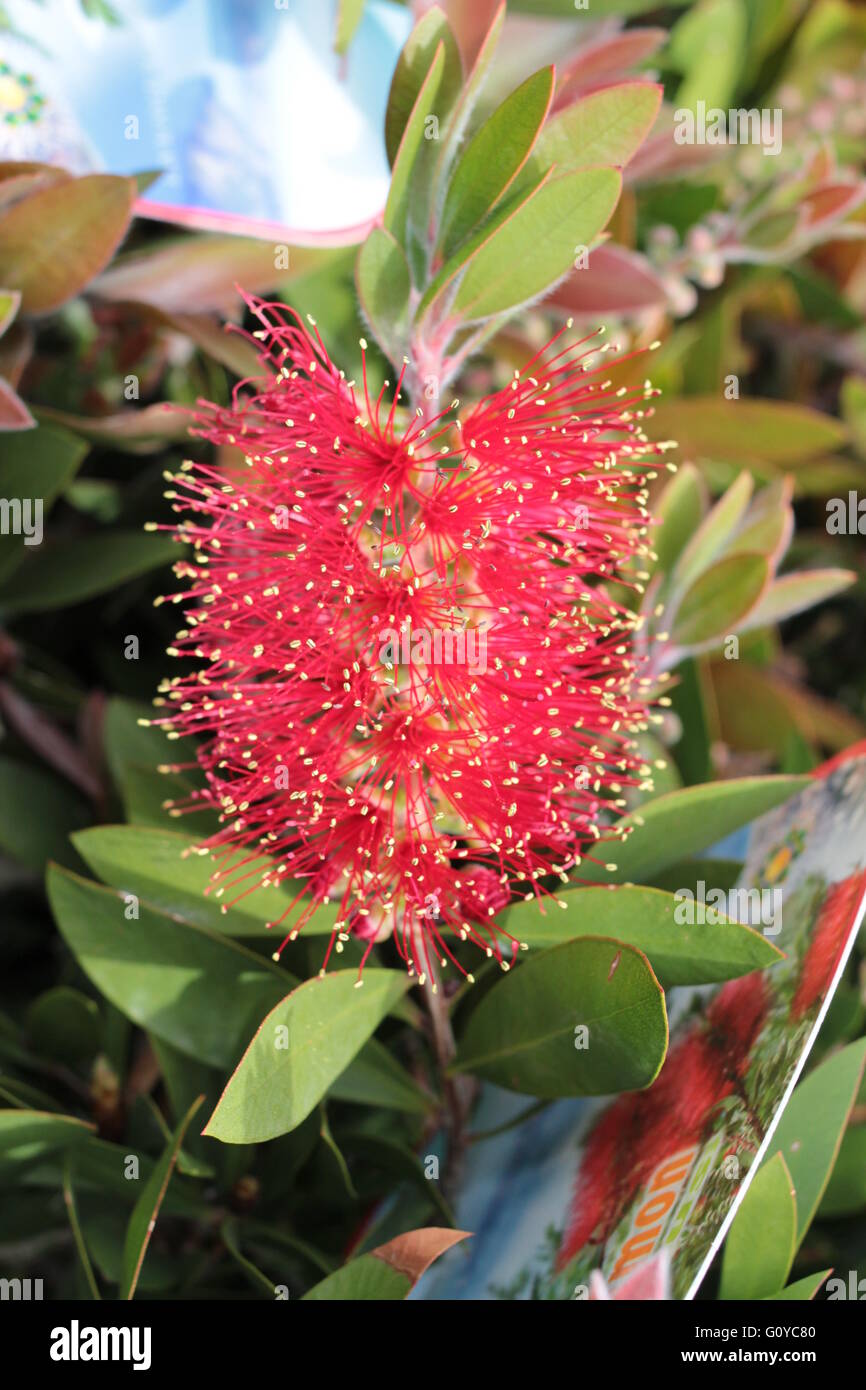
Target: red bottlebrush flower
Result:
[[838, 911], [410, 680], [640, 1130], [736, 1016]]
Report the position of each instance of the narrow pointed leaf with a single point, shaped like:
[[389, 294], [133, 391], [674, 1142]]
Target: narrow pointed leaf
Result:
[[813, 1123], [397, 206], [382, 277], [412, 68], [606, 127], [537, 245], [684, 822], [761, 1243], [679, 953], [720, 599], [493, 158], [146, 1209], [794, 593]]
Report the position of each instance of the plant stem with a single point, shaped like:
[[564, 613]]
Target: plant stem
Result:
[[458, 1092]]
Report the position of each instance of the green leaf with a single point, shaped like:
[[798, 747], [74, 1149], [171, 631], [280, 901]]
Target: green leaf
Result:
[[794, 593], [845, 1194], [231, 1240], [691, 704], [761, 1243], [445, 282], [535, 246], [720, 599], [801, 1289], [685, 822], [401, 1163], [710, 537], [201, 992], [709, 45], [282, 1076], [196, 273], [38, 463], [678, 514], [606, 127], [146, 1209], [524, 1034], [375, 1077], [10, 303], [382, 277], [687, 873], [55, 241], [769, 522], [412, 68], [75, 570], [152, 798], [128, 741], [63, 1023], [776, 432], [813, 1123], [390, 1271], [52, 811], [24, 1132], [397, 205], [150, 863], [77, 1236], [494, 157], [140, 431], [349, 16], [679, 954], [100, 1170]]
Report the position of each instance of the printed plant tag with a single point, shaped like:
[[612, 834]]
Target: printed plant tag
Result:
[[196, 92], [586, 1185]]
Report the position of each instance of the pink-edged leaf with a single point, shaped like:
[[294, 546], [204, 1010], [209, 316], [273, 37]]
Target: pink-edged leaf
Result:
[[606, 127], [720, 600], [832, 201], [606, 59], [616, 281], [793, 593], [709, 540], [14, 414], [660, 157], [55, 241], [535, 247], [494, 157], [412, 71], [471, 22], [444, 280], [408, 150], [194, 274], [137, 431], [769, 522]]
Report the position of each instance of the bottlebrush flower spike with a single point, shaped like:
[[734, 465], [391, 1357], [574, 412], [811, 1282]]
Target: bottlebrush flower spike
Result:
[[837, 915], [415, 697]]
